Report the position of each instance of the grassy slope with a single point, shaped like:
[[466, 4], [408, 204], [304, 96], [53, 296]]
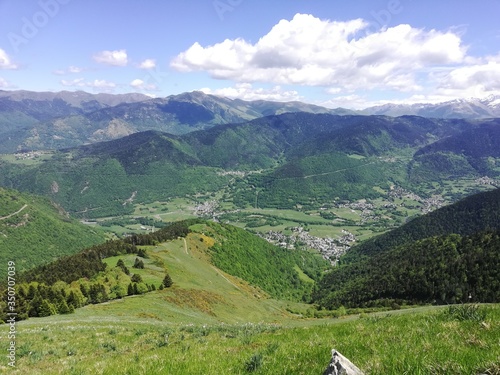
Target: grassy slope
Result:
[[33, 231], [213, 323], [410, 342]]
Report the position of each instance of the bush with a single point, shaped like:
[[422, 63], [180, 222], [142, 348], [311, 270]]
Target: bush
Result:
[[254, 363], [465, 312]]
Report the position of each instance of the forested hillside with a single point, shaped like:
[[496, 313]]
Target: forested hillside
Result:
[[284, 160], [444, 269], [88, 277], [450, 255], [473, 214], [267, 266], [34, 231]]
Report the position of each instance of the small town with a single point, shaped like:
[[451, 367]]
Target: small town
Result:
[[330, 248]]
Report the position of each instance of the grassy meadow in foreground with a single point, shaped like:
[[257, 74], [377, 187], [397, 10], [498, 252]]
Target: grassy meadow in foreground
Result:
[[421, 341]]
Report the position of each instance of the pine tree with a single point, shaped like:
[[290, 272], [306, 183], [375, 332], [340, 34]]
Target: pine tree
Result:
[[34, 305], [46, 309], [31, 292], [136, 278], [84, 290], [138, 263], [167, 281], [130, 290], [63, 308]]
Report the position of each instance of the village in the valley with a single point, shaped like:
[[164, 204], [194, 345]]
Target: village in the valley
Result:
[[365, 211]]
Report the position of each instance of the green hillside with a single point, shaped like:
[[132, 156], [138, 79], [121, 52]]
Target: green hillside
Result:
[[34, 230], [450, 255], [470, 215], [48, 120], [445, 269], [473, 151], [140, 264], [209, 321], [291, 159]]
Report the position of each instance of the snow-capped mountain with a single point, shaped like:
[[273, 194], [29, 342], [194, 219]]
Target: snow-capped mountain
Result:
[[459, 108]]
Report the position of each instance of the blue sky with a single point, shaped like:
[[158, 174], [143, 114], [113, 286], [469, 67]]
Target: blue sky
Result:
[[350, 54]]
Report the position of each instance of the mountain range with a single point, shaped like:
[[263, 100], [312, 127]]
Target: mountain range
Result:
[[288, 159], [460, 108], [34, 121], [53, 120]]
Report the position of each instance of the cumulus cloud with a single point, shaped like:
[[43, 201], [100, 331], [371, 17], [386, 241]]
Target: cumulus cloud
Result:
[[5, 61], [97, 84], [246, 91], [139, 84], [477, 80], [148, 64], [313, 52], [113, 58]]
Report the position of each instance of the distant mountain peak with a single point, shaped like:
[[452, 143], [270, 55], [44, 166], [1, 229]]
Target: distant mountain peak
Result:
[[466, 108]]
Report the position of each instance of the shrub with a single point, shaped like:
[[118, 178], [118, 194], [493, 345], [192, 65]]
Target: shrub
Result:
[[464, 312], [254, 363]]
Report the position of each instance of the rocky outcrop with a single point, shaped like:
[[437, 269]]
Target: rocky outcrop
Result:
[[340, 365]]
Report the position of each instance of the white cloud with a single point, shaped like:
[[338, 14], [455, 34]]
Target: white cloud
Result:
[[5, 61], [148, 64], [71, 70], [246, 91], [139, 84], [101, 84], [97, 84], [75, 69], [477, 80], [313, 52], [352, 101], [4, 84], [114, 58]]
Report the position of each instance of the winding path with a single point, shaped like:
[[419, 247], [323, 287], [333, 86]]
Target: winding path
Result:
[[13, 214]]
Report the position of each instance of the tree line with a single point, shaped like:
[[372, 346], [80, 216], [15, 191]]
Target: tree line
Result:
[[73, 281]]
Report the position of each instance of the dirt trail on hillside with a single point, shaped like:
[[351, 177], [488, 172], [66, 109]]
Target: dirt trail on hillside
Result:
[[225, 278], [14, 213]]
